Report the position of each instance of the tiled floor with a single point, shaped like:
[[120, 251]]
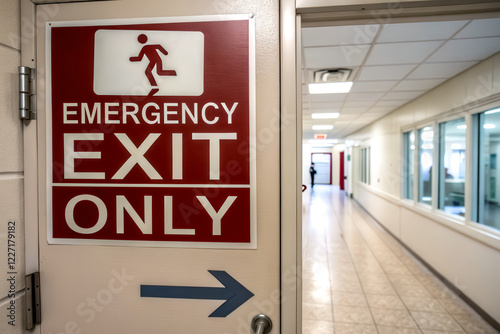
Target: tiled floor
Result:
[[358, 279]]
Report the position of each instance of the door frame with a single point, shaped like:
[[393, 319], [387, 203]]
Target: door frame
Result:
[[341, 170], [291, 173]]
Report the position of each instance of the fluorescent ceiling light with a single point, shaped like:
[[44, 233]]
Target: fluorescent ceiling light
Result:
[[325, 115], [462, 127], [322, 127], [489, 126], [493, 111], [330, 87]]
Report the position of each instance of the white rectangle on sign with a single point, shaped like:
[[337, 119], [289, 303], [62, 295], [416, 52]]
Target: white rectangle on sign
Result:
[[148, 62]]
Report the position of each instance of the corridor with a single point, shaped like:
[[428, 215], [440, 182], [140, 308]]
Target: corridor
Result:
[[358, 279]]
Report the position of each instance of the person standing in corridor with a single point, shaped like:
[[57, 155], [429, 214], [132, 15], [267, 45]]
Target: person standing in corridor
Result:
[[312, 171]]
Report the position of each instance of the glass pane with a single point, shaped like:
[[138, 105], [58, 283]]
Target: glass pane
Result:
[[489, 170], [408, 149], [425, 148], [368, 165], [363, 165], [452, 166]]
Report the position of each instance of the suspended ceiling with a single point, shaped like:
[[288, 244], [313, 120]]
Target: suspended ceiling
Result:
[[391, 64]]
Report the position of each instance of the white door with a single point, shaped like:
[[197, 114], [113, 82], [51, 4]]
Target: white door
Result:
[[323, 166], [158, 211]]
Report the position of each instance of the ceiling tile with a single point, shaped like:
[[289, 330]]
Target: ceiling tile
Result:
[[341, 35], [404, 96], [348, 117], [466, 49], [352, 104], [372, 86], [327, 97], [394, 72], [335, 56], [350, 111], [401, 53], [304, 89], [369, 115], [440, 70], [364, 96], [326, 105], [342, 123], [414, 85], [381, 110], [389, 103], [481, 28], [421, 31]]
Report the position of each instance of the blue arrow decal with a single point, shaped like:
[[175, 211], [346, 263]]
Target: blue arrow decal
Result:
[[233, 293]]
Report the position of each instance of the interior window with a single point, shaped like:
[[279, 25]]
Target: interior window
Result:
[[408, 149], [486, 176], [425, 160], [452, 166]]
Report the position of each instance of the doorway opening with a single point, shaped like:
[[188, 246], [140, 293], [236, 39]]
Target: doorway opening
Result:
[[388, 62], [323, 165]]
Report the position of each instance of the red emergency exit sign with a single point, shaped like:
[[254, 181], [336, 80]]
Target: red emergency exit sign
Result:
[[151, 130]]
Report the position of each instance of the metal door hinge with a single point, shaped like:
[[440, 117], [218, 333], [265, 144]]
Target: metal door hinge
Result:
[[33, 305], [27, 96]]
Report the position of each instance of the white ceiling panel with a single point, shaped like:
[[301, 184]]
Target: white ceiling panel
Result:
[[389, 103], [467, 49], [372, 86], [335, 56], [439, 70], [354, 104], [481, 28], [348, 117], [364, 96], [420, 31], [326, 105], [394, 72], [370, 115], [352, 110], [327, 97], [381, 110], [342, 123], [414, 85], [405, 96], [341, 35], [401, 53]]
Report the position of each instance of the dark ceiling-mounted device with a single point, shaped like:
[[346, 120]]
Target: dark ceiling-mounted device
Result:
[[332, 75]]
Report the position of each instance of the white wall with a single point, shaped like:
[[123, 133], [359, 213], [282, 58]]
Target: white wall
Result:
[[462, 252], [11, 169]]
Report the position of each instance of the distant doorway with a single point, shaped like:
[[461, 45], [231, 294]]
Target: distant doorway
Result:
[[342, 175], [323, 166]]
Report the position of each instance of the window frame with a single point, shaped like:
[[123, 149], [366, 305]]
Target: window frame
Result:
[[406, 166], [439, 178], [365, 162], [416, 171], [465, 224]]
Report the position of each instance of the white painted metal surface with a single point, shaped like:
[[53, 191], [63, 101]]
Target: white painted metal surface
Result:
[[96, 289]]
